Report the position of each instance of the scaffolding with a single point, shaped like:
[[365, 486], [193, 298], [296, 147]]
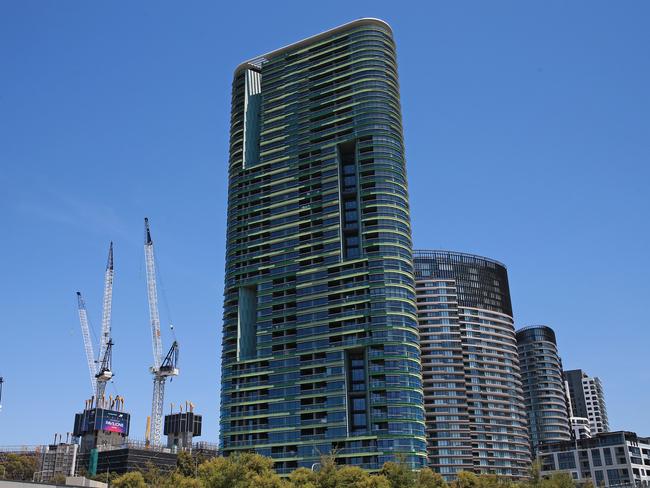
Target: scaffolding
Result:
[[56, 459]]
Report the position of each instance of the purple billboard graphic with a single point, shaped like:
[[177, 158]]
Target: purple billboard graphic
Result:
[[114, 422]]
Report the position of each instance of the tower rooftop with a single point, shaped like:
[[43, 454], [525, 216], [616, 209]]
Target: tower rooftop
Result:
[[257, 61]]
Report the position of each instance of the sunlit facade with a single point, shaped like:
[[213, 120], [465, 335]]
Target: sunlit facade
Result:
[[473, 395], [544, 392], [320, 341]]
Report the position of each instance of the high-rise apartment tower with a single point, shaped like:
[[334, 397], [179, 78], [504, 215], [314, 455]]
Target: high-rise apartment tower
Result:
[[541, 372], [587, 398], [473, 396], [320, 341]]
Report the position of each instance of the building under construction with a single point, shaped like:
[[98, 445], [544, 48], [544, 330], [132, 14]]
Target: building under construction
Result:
[[56, 459], [97, 426], [101, 430], [105, 446], [99, 441]]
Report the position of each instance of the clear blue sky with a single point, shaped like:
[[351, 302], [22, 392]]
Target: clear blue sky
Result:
[[527, 127]]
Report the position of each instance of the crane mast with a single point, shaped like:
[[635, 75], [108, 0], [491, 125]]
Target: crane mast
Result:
[[107, 304], [152, 296], [104, 367], [101, 370], [88, 345], [162, 367]]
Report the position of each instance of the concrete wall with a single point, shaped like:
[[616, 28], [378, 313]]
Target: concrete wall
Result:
[[25, 484], [76, 481]]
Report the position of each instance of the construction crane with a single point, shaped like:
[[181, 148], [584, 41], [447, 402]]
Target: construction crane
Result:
[[2, 380], [88, 345], [105, 370], [107, 304], [100, 370], [162, 367]]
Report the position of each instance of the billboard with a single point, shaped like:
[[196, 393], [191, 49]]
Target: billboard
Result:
[[112, 421]]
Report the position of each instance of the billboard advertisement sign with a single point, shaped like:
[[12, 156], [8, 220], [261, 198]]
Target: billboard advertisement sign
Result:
[[112, 421]]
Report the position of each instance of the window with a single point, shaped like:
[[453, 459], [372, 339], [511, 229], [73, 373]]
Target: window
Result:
[[359, 404], [595, 456], [600, 477], [608, 456], [247, 323], [566, 460], [357, 390]]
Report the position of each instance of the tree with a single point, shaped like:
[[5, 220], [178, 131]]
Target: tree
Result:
[[185, 464], [177, 480], [493, 481], [244, 470], [535, 474], [303, 478], [153, 476], [351, 476], [105, 477], [375, 481], [132, 479], [465, 479], [398, 474], [326, 475], [58, 479], [426, 478], [19, 467], [331, 475], [559, 480]]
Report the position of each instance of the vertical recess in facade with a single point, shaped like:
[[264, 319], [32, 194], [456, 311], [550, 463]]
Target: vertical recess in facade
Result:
[[349, 200], [357, 392], [246, 333], [252, 105]]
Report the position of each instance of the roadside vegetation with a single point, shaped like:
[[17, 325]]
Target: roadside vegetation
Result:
[[254, 471]]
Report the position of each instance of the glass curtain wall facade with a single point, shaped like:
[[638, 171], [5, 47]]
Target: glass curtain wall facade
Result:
[[473, 396], [320, 341], [541, 371]]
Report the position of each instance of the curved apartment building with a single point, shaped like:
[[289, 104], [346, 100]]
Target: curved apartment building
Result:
[[473, 396], [320, 341], [541, 372]]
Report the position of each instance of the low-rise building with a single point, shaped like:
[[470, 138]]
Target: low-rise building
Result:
[[56, 459], [607, 459]]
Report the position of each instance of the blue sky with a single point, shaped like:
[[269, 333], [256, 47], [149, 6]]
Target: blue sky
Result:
[[528, 140]]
